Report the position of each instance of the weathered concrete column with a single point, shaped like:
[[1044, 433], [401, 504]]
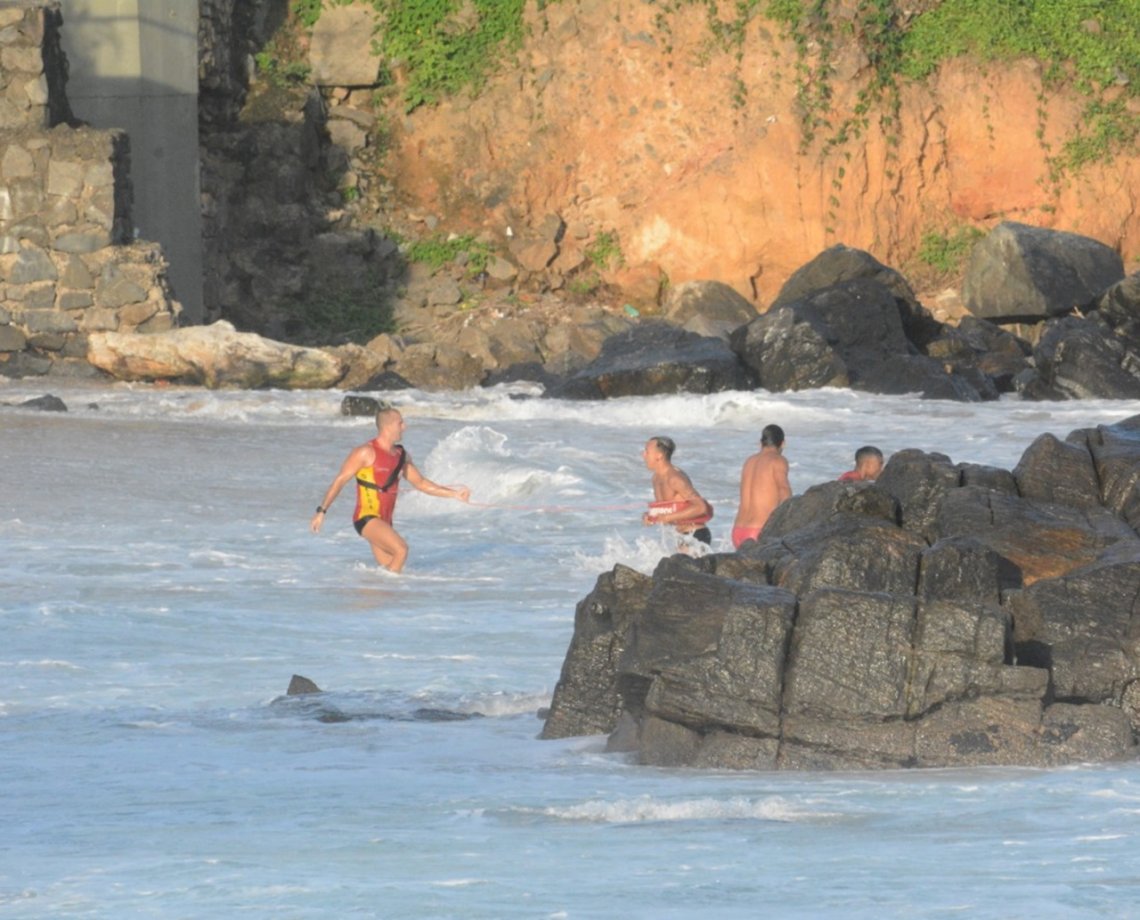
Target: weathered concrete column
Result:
[[134, 66]]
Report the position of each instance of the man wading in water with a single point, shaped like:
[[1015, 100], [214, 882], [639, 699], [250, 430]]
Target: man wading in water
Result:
[[676, 502], [763, 486], [377, 467]]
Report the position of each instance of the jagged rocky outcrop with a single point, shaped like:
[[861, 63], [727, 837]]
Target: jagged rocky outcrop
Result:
[[945, 615]]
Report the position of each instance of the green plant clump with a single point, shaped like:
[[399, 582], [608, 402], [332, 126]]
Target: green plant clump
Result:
[[444, 46], [279, 72], [605, 251], [945, 253], [307, 12], [437, 251]]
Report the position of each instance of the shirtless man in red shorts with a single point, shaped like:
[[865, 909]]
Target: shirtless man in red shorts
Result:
[[763, 486]]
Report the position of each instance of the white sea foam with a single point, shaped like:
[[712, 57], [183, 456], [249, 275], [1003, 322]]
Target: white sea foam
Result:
[[502, 704], [50, 663], [648, 809], [642, 553]]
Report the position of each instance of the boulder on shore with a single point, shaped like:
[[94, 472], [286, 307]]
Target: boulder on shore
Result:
[[848, 334], [1020, 273], [944, 615], [653, 358], [215, 356]]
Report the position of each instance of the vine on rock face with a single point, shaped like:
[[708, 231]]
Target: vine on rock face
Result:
[[1091, 45], [442, 46]]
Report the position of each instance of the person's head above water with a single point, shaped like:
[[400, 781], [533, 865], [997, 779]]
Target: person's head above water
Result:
[[772, 436], [389, 419], [869, 462], [665, 445]]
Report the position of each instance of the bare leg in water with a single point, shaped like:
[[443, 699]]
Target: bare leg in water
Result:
[[387, 546]]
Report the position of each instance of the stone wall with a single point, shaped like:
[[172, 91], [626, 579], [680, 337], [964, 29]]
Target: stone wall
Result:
[[68, 263]]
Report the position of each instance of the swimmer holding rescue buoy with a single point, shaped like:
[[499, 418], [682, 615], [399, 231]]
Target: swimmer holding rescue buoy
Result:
[[377, 468], [676, 502]]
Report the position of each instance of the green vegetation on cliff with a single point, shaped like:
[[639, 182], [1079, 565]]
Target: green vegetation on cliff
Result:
[[443, 46], [1092, 45]]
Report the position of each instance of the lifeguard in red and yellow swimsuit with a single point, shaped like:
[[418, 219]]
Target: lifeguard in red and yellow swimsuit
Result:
[[377, 468], [377, 486]]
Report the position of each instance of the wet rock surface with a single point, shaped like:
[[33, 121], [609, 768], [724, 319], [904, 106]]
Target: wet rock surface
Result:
[[945, 615]]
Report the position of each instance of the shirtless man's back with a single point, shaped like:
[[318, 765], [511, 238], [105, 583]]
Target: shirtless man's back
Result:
[[763, 486]]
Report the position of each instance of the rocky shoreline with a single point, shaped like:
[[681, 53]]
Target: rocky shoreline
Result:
[[945, 615], [1045, 315]]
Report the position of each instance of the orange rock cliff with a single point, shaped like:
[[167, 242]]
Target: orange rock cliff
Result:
[[698, 163]]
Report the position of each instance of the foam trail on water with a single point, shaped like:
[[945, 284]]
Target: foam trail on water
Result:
[[649, 809], [641, 553]]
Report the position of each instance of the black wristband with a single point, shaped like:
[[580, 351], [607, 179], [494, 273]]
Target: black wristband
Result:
[[321, 510]]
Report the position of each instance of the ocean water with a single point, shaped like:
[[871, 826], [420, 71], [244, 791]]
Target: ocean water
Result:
[[159, 586]]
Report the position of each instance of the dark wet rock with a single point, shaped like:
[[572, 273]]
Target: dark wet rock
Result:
[[431, 714], [707, 307], [1079, 358], [45, 403], [979, 346], [846, 550], [356, 406], [988, 477], [842, 263], [1059, 473], [299, 685], [655, 358], [386, 380], [528, 371], [1086, 616], [590, 704], [918, 480], [965, 568], [848, 334], [945, 615], [827, 337], [927, 377], [1041, 540], [1020, 273], [1115, 451], [1119, 307]]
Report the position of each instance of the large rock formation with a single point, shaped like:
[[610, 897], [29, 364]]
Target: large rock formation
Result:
[[1020, 273], [945, 615]]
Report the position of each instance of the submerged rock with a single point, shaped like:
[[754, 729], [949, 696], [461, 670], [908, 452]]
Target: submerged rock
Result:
[[299, 686], [945, 615], [45, 403]]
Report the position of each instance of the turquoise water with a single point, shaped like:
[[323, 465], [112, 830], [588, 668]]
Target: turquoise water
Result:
[[159, 587]]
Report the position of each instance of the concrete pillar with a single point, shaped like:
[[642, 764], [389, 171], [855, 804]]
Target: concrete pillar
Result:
[[134, 65]]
